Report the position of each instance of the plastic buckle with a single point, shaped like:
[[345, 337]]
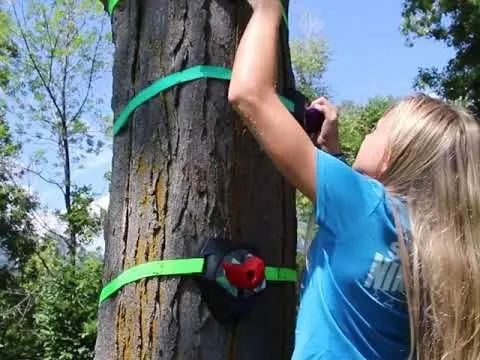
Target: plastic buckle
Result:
[[231, 279]]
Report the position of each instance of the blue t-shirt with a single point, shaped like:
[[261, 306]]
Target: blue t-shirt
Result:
[[353, 304]]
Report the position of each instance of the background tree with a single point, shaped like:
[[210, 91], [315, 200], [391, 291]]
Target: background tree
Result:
[[185, 169], [17, 246], [356, 121], [7, 50], [309, 61], [457, 24], [49, 65], [17, 238], [63, 49]]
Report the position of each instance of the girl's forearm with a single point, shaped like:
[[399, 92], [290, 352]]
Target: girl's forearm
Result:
[[255, 69]]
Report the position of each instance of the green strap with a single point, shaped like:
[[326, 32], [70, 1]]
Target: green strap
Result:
[[153, 268], [280, 274], [284, 14], [193, 266], [193, 73], [166, 82], [113, 3]]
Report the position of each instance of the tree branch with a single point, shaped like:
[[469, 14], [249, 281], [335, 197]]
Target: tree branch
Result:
[[44, 263], [90, 76], [53, 45], [48, 228], [35, 64], [47, 180], [64, 144]]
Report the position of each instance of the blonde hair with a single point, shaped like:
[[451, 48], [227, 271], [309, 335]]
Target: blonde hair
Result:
[[433, 157]]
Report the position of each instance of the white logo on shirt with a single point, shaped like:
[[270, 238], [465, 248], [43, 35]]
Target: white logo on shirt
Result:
[[385, 273]]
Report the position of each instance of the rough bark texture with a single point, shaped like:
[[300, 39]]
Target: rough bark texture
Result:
[[185, 168]]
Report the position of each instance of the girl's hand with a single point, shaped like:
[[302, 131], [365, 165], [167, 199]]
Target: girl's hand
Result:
[[328, 137]]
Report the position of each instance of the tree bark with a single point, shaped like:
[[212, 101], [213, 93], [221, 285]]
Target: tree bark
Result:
[[185, 168]]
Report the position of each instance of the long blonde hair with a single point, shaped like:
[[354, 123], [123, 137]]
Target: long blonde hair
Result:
[[433, 157]]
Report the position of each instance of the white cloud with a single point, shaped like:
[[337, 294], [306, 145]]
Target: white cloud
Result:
[[309, 25], [3, 258], [47, 222], [97, 206], [100, 204], [433, 95], [102, 160]]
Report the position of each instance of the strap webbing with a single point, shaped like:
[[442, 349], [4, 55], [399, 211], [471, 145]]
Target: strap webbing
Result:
[[193, 73], [193, 266], [113, 3]]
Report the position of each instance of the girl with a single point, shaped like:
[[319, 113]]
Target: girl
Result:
[[401, 227]]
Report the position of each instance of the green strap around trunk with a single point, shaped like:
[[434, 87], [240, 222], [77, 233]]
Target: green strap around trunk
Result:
[[193, 266], [193, 73]]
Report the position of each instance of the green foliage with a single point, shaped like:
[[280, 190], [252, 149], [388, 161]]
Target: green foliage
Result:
[[50, 58], [63, 50], [16, 205], [80, 219], [7, 50], [17, 245], [58, 317], [457, 24], [356, 121], [309, 61], [16, 229]]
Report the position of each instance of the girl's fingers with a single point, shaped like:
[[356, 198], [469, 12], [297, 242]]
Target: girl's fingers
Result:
[[320, 101], [320, 107]]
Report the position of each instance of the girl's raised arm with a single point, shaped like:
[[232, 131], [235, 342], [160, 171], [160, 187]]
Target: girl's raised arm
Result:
[[252, 93]]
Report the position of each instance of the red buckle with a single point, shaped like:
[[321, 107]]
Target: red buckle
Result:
[[247, 275]]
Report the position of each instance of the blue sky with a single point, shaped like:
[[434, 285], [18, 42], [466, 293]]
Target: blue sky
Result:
[[368, 58], [368, 52]]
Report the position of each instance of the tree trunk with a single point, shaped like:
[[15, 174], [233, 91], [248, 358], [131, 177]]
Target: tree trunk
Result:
[[185, 168]]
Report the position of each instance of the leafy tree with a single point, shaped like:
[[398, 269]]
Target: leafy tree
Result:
[[56, 305], [457, 24], [63, 49], [16, 241], [49, 67], [7, 50], [65, 297], [309, 62], [356, 121], [17, 246]]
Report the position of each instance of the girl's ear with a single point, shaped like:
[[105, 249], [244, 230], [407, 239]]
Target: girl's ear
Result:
[[383, 165]]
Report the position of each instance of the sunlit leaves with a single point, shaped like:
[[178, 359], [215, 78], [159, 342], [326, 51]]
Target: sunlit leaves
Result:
[[64, 49], [309, 61], [356, 121], [457, 25]]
